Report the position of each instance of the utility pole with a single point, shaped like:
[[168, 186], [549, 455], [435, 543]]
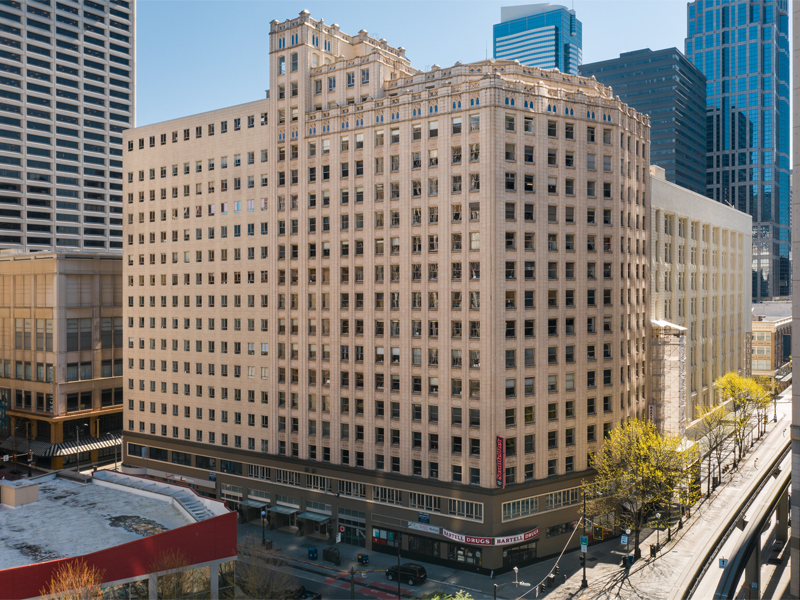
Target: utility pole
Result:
[[30, 455], [353, 583], [584, 583]]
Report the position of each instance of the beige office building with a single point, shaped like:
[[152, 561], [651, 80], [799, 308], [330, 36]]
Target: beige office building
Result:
[[772, 344], [405, 302], [62, 335], [699, 300]]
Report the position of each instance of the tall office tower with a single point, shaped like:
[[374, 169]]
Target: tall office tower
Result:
[[699, 299], [548, 36], [742, 48], [667, 86], [66, 94], [382, 290]]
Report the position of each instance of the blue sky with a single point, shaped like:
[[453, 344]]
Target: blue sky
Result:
[[199, 55]]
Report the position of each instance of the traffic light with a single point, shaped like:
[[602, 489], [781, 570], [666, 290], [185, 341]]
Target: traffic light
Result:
[[597, 532], [556, 570], [542, 587], [652, 550]]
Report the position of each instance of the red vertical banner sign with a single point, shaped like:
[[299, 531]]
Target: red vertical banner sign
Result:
[[501, 461]]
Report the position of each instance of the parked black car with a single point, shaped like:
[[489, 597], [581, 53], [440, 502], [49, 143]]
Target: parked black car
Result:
[[301, 593], [410, 573]]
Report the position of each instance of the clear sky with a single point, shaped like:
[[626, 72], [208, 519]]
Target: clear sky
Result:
[[199, 55]]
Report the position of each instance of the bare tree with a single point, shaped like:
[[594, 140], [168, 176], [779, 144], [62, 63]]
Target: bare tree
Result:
[[175, 579], [75, 580], [260, 575], [715, 425]]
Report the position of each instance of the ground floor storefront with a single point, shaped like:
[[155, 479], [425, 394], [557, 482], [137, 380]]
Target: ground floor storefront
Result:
[[465, 527]]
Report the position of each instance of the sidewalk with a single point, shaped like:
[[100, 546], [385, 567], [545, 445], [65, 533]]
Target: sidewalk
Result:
[[648, 579]]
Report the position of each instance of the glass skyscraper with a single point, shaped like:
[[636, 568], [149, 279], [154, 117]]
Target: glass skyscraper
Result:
[[665, 85], [742, 47], [540, 35], [66, 95]]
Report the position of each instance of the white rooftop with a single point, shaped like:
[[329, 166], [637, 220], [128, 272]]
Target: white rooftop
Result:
[[71, 519]]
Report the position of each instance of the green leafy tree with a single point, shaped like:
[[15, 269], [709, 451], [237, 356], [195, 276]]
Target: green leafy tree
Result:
[[640, 470], [747, 397], [460, 595]]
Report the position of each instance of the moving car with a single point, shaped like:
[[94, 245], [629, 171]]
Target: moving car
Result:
[[410, 573]]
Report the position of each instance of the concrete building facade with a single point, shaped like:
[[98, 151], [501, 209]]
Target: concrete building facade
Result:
[[66, 93], [772, 351], [61, 379], [743, 50], [546, 35], [334, 304], [667, 86], [700, 257]]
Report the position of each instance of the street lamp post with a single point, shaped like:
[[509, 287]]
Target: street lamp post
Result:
[[516, 583], [627, 541], [263, 530], [399, 543], [584, 582], [658, 531], [30, 456]]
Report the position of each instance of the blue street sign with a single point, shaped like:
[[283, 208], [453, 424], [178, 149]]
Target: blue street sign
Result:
[[723, 562], [584, 540]]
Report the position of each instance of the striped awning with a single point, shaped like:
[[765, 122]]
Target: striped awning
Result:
[[20, 445], [85, 445]]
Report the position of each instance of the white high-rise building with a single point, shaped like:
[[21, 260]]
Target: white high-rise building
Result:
[[381, 292]]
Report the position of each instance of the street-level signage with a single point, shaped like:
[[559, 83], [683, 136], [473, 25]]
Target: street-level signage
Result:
[[487, 541], [513, 539], [584, 548], [424, 527], [584, 540], [467, 539], [623, 540], [723, 562], [500, 458], [424, 517]]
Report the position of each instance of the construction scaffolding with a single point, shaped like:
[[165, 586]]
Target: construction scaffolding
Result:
[[668, 384]]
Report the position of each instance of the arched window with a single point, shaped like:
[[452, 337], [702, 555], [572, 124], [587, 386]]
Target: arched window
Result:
[[315, 60]]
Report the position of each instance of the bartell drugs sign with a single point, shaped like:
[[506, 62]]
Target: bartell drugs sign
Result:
[[467, 539], [514, 539]]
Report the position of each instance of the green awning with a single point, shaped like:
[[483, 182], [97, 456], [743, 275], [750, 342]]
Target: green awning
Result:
[[312, 516], [284, 510], [253, 503]]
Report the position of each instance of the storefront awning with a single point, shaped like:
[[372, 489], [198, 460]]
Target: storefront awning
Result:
[[85, 445], [252, 503], [284, 510], [312, 516], [20, 445]]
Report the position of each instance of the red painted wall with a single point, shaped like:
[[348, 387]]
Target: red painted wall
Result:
[[208, 540]]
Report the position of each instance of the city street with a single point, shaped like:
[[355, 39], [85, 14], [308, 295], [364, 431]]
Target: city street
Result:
[[647, 580]]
